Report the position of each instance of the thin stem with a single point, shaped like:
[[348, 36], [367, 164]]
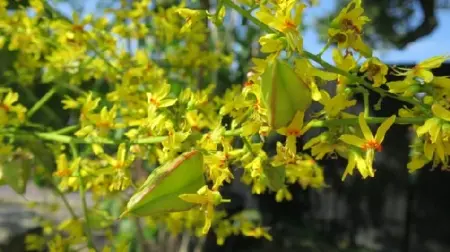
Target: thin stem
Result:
[[324, 49], [65, 130], [41, 102], [65, 201], [84, 201], [365, 94], [248, 146], [55, 137], [369, 120], [47, 111]]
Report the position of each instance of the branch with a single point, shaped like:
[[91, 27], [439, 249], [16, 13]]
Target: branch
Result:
[[427, 26]]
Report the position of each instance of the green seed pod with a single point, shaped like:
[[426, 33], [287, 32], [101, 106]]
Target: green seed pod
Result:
[[159, 193], [283, 93]]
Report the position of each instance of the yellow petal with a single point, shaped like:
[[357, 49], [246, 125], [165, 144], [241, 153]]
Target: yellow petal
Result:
[[362, 166], [291, 144], [353, 140], [350, 166], [384, 127], [364, 127], [428, 150], [433, 62], [440, 112], [440, 150], [426, 75]]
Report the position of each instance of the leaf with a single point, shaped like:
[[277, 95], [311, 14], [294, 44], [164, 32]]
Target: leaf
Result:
[[16, 173], [283, 93], [275, 176], [159, 193]]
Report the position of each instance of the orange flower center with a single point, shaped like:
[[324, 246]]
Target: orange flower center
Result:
[[4, 107], [63, 173], [372, 144], [248, 83], [103, 124], [348, 25], [293, 132], [373, 70], [154, 101], [288, 25]]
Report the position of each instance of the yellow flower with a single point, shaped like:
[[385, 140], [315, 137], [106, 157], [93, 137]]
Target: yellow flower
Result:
[[369, 144], [207, 199], [67, 172], [323, 144], [158, 99], [423, 69], [284, 22], [333, 106], [437, 134], [294, 130], [271, 43], [283, 193], [355, 160], [192, 17], [351, 18], [308, 73], [257, 233], [375, 70], [346, 28], [10, 112], [345, 62]]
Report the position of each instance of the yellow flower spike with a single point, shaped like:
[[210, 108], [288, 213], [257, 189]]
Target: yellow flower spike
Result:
[[376, 71]]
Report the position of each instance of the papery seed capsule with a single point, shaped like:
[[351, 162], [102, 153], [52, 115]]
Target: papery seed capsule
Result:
[[283, 93], [159, 193]]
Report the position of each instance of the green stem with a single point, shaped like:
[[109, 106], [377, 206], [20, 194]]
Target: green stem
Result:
[[324, 64], [369, 120], [47, 111], [84, 201], [53, 136], [41, 102], [65, 130], [248, 146], [65, 201], [365, 94]]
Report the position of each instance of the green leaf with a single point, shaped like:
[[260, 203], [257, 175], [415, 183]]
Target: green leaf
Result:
[[275, 176], [16, 173]]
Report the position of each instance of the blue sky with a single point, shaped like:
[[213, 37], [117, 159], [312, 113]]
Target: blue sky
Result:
[[434, 44]]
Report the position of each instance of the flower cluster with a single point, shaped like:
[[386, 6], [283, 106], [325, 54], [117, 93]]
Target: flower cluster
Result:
[[145, 106]]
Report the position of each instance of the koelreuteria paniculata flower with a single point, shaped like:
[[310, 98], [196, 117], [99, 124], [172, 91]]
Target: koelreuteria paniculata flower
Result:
[[130, 81]]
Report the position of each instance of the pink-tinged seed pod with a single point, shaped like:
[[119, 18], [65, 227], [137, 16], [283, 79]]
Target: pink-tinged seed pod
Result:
[[283, 93]]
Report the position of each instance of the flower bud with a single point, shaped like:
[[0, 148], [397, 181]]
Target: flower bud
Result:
[[283, 93]]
